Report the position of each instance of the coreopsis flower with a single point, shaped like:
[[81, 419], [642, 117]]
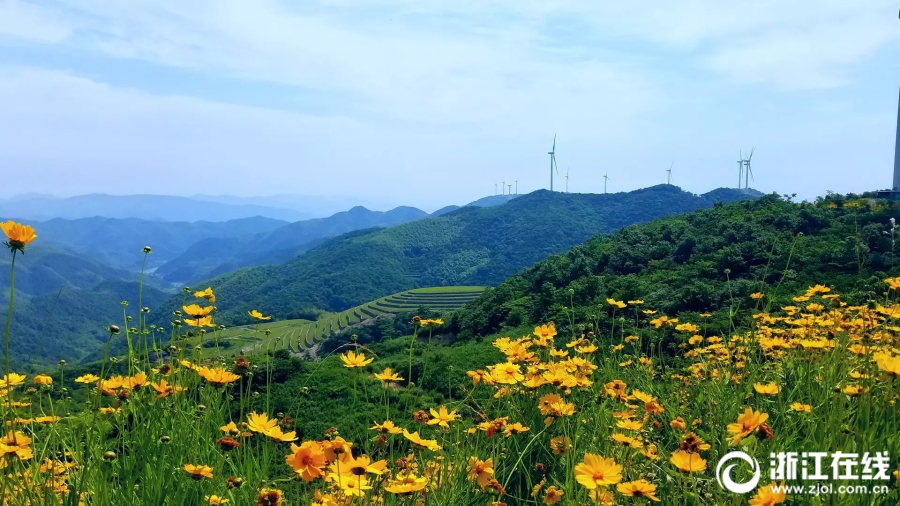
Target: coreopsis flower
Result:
[[217, 376], [431, 321], [887, 363], [336, 447], [688, 462], [616, 303], [351, 359], [597, 471], [638, 488], [206, 294], [205, 321], [358, 466], [545, 332], [766, 388], [260, 423], [797, 406], [13, 380], [406, 483], [270, 497], [87, 379], [164, 389], [693, 443], [232, 429], [630, 424], [110, 411], [17, 235], [136, 381], [350, 485], [277, 434], [388, 376], [480, 471], [215, 500], [227, 443], [756, 295], [855, 390], [678, 424], [197, 311], [256, 315], [307, 460], [16, 443], [419, 442], [553, 495], [42, 380], [515, 428], [387, 427], [747, 423], [198, 472], [506, 373], [442, 417], [560, 445], [769, 495]]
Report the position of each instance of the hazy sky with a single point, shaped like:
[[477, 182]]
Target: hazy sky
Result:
[[430, 102]]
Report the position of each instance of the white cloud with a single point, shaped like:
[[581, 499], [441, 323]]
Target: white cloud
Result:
[[27, 21]]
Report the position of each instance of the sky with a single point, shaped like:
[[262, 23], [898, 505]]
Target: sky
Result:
[[434, 102]]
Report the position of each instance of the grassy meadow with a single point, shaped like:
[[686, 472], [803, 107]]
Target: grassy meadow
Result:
[[589, 409]]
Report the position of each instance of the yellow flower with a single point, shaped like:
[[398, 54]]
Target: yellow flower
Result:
[[387, 427], [442, 418], [217, 375], [756, 296], [688, 462], [198, 472], [855, 390], [205, 321], [260, 422], [270, 497], [553, 495], [480, 471], [419, 442], [766, 388], [639, 488], [616, 303], [678, 424], [215, 500], [893, 283], [545, 331], [307, 460], [164, 389], [197, 311], [406, 483], [206, 294], [796, 406], [42, 379], [560, 445], [746, 424], [887, 363], [630, 424], [17, 235], [232, 429], [276, 434], [258, 316], [515, 428], [13, 380], [769, 495], [87, 379], [352, 359], [388, 376], [597, 471], [506, 373]]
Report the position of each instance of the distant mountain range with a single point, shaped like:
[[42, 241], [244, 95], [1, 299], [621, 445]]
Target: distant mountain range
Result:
[[468, 246], [146, 207]]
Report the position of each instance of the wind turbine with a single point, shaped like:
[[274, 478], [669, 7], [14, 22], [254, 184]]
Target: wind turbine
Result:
[[517, 186], [748, 174], [510, 189], [567, 180], [740, 163], [495, 188], [605, 179], [670, 173], [553, 166], [503, 187]]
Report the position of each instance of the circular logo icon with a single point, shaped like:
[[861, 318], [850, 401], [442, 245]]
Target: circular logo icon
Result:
[[723, 473]]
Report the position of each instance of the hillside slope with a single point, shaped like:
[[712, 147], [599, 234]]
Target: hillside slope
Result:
[[470, 246], [214, 256], [709, 260]]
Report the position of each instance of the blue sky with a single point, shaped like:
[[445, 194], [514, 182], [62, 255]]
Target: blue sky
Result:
[[431, 102]]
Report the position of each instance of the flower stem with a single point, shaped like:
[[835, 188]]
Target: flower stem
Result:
[[12, 293]]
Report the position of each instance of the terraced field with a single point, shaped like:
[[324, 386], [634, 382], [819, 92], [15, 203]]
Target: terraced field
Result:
[[297, 335]]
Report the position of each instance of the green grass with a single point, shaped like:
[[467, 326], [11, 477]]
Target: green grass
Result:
[[297, 335]]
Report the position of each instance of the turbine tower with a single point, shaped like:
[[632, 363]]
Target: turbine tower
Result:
[[896, 186], [495, 188], [669, 171], [503, 187], [740, 163], [510, 189], [748, 174], [517, 186], [605, 179], [567, 180], [553, 167]]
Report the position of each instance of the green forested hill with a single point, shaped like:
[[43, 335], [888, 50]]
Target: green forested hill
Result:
[[706, 260], [470, 246]]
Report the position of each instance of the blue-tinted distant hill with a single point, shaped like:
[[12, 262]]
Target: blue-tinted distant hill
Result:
[[469, 246], [146, 207]]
